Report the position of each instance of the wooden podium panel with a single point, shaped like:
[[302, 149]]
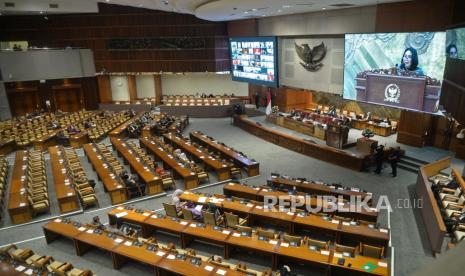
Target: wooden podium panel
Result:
[[406, 92]]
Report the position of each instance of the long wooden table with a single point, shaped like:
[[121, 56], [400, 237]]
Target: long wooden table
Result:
[[309, 148], [120, 132], [223, 171], [259, 194], [122, 249], [252, 167], [66, 195], [148, 176], [116, 189], [229, 239], [340, 231], [191, 179], [18, 205], [320, 189]]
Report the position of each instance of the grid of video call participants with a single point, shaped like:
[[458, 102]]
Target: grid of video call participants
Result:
[[253, 60]]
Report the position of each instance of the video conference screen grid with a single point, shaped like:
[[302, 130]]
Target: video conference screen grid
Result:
[[455, 43], [254, 60]]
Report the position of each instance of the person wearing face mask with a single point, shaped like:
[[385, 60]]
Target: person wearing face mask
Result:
[[409, 61]]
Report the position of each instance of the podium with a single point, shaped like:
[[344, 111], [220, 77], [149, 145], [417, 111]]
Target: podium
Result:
[[398, 91], [336, 136]]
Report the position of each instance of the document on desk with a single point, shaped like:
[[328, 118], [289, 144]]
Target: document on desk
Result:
[[202, 199], [198, 208], [119, 215]]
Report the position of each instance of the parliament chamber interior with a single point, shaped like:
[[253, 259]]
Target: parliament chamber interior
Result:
[[255, 137]]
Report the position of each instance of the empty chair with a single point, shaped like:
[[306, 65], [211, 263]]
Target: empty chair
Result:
[[459, 232], [187, 214], [371, 251], [236, 171], [203, 176], [170, 210], [19, 254], [295, 240], [266, 234], [234, 220], [317, 245], [245, 230], [345, 250], [209, 218]]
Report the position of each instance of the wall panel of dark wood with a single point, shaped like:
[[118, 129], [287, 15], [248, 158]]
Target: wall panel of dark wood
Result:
[[95, 30], [70, 95]]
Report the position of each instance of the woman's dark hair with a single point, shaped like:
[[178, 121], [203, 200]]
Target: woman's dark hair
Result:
[[414, 59], [450, 47]]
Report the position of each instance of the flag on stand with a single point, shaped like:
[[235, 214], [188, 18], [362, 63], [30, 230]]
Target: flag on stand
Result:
[[268, 102]]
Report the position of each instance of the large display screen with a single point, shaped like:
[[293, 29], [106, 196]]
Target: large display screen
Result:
[[401, 70], [455, 43], [254, 60]]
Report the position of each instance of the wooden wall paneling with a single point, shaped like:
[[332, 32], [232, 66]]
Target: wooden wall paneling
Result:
[[68, 98], [247, 27], [158, 89], [104, 89], [90, 93], [23, 100], [414, 128], [132, 87], [414, 16]]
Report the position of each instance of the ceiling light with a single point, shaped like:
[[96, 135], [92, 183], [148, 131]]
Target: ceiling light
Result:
[[323, 8], [286, 6], [41, 12], [263, 14], [246, 12], [254, 9], [279, 10], [107, 1]]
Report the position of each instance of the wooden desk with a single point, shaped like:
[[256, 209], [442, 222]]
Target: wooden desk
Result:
[[149, 177], [66, 195], [191, 179], [231, 239], [259, 193], [252, 167], [46, 141], [18, 205], [319, 189], [77, 140], [380, 130], [55, 229], [342, 232], [309, 148], [7, 147], [120, 132], [7, 268], [360, 264], [223, 171], [116, 189]]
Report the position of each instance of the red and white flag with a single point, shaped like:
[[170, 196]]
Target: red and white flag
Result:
[[268, 102]]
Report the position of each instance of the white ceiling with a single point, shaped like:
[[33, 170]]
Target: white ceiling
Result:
[[213, 10]]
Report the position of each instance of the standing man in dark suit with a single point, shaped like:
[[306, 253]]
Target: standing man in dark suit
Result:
[[394, 158], [379, 154]]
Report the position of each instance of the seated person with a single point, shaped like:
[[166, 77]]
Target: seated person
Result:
[[96, 222], [72, 129], [53, 125], [89, 124], [293, 112], [176, 201]]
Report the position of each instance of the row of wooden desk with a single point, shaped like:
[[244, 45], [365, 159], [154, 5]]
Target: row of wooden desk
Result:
[[121, 130], [18, 205], [191, 179], [113, 186], [222, 170], [230, 239], [123, 249], [251, 166], [377, 129], [308, 128], [337, 230], [260, 193], [148, 176], [65, 193], [305, 147], [320, 189]]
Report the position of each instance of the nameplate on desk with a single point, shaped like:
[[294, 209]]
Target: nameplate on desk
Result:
[[226, 232], [118, 240], [20, 268], [383, 230], [382, 264], [193, 225], [249, 205], [259, 207], [273, 242], [324, 252], [171, 257], [57, 220], [146, 214], [290, 213], [82, 229], [22, 204], [231, 184], [120, 208], [90, 231], [202, 199], [221, 272], [184, 222], [122, 214], [29, 271], [345, 223], [209, 268], [335, 221], [160, 253], [337, 255], [284, 244], [128, 243], [236, 235]]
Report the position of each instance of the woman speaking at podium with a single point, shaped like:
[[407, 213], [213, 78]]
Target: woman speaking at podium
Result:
[[409, 62]]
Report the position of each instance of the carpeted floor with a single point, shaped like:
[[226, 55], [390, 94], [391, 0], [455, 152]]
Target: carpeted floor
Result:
[[411, 250]]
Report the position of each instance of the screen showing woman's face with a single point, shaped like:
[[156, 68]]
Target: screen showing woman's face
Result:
[[407, 59], [453, 52]]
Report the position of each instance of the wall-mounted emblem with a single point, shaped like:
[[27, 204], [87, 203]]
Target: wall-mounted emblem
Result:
[[392, 93], [311, 58]]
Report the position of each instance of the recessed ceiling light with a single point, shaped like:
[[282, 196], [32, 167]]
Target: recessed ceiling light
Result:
[[254, 9], [286, 6], [107, 1], [323, 8], [279, 10], [263, 14], [246, 12], [41, 12]]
